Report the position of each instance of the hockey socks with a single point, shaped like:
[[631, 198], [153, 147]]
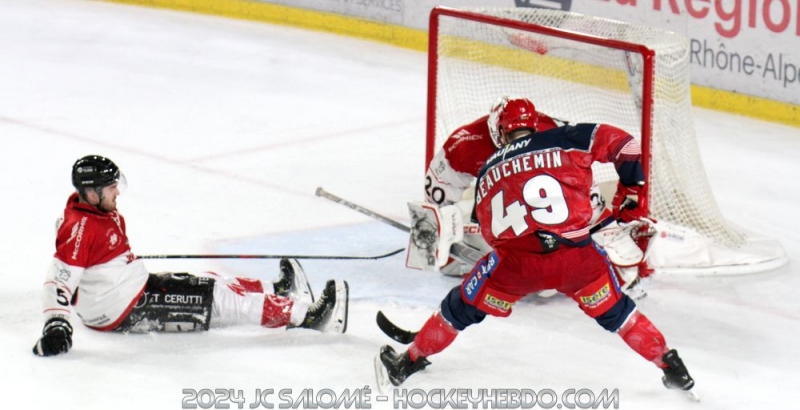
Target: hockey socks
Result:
[[643, 337], [277, 311], [436, 334]]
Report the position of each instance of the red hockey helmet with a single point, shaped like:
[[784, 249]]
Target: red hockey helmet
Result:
[[517, 114]]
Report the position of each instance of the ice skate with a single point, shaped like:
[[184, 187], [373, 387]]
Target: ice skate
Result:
[[292, 282], [329, 312], [394, 368], [676, 376]]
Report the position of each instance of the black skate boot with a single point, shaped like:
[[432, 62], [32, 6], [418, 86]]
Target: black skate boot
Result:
[[292, 282], [329, 312], [392, 367], [676, 376]]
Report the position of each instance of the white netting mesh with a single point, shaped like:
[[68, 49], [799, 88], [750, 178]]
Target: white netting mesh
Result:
[[580, 82]]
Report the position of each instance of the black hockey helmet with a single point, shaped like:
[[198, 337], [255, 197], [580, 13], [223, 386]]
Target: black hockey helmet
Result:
[[94, 171]]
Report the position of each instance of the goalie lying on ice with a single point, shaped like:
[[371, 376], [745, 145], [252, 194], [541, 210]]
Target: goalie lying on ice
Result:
[[95, 273]]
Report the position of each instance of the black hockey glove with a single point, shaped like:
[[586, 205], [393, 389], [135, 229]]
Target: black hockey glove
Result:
[[56, 338]]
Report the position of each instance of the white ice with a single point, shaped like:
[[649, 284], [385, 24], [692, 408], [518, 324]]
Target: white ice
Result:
[[224, 129]]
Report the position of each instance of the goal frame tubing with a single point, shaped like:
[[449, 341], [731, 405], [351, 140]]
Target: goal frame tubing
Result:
[[647, 89]]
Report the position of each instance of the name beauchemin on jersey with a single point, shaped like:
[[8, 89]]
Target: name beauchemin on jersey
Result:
[[515, 165]]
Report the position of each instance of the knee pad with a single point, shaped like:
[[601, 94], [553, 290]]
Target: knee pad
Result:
[[613, 319], [458, 312]]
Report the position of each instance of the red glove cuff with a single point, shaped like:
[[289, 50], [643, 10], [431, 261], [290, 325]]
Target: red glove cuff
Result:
[[625, 205]]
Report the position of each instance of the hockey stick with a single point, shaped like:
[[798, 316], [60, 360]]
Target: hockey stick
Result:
[[334, 257], [358, 208], [460, 251], [395, 332]]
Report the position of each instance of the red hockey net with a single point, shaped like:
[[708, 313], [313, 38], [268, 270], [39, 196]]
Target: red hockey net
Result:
[[580, 69]]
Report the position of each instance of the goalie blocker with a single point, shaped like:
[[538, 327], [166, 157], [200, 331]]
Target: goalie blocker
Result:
[[433, 231]]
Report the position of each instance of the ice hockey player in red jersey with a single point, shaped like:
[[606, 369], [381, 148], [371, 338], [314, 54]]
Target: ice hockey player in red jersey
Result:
[[455, 167], [95, 274], [532, 202]]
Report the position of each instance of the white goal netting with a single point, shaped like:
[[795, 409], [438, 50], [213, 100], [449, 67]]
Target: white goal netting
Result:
[[586, 69]]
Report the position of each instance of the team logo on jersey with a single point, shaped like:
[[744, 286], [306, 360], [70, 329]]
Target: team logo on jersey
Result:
[[597, 298], [63, 275], [113, 239], [440, 168]]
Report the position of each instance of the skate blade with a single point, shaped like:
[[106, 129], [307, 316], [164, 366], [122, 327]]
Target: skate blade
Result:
[[692, 395], [337, 322], [382, 376], [301, 290]]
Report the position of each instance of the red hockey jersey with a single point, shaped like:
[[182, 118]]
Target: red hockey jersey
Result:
[[464, 152], [93, 269], [541, 183]]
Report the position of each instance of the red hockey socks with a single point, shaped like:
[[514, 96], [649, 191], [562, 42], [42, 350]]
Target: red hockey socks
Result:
[[643, 337], [277, 311], [436, 334]]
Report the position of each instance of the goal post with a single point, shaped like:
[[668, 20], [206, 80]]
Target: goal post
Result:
[[582, 68]]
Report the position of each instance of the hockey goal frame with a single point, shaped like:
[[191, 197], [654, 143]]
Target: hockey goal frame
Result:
[[718, 257], [433, 60]]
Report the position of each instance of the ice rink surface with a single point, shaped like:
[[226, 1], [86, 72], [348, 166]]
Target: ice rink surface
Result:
[[225, 128]]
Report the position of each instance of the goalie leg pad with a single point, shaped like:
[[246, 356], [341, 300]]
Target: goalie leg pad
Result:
[[172, 302]]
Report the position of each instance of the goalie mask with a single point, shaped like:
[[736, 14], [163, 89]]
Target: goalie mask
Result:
[[491, 121], [515, 115]]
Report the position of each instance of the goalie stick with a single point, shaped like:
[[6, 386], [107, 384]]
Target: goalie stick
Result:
[[460, 251], [229, 256]]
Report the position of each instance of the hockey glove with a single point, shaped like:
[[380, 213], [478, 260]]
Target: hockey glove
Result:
[[626, 204], [56, 338]]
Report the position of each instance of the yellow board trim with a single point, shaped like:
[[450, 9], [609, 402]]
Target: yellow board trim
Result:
[[747, 105], [756, 107], [296, 17]]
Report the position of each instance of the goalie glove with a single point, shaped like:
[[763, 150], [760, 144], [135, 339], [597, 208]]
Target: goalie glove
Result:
[[56, 338], [625, 205]]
